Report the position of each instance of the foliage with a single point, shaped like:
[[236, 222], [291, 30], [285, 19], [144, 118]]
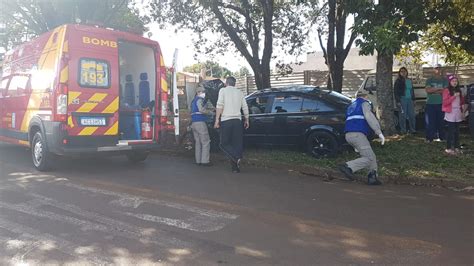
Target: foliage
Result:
[[24, 19], [242, 72], [451, 27], [253, 28], [411, 57], [333, 25], [387, 26], [212, 69]]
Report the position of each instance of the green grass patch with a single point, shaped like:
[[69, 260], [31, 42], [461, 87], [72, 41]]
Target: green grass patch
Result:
[[405, 156]]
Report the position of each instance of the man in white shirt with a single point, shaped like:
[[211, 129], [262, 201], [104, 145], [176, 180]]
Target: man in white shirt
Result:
[[229, 119]]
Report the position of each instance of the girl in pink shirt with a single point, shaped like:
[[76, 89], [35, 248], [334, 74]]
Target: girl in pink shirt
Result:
[[453, 114]]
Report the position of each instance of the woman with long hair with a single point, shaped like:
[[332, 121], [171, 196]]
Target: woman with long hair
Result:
[[405, 99], [453, 102]]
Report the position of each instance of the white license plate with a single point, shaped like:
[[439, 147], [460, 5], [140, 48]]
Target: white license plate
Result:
[[93, 121]]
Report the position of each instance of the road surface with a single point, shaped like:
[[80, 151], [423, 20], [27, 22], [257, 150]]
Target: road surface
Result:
[[168, 211]]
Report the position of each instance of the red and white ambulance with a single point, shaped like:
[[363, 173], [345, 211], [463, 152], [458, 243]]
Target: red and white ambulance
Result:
[[82, 89]]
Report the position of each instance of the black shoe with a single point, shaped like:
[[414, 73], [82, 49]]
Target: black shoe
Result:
[[372, 179], [235, 167], [206, 164], [346, 171]]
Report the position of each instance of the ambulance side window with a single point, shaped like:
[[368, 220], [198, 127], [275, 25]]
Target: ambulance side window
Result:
[[94, 73], [3, 87], [17, 86]]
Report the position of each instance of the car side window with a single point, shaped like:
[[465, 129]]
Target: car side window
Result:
[[316, 105], [370, 84], [287, 104], [258, 105]]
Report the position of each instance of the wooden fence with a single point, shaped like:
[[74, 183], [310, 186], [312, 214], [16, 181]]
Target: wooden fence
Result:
[[351, 81]]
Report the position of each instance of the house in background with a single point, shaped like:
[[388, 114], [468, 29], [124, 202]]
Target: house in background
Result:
[[354, 61]]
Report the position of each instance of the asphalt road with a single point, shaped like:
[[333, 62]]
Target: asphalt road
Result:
[[168, 211]]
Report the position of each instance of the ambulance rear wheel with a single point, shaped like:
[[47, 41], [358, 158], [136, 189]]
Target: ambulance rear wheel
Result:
[[137, 156], [42, 158]]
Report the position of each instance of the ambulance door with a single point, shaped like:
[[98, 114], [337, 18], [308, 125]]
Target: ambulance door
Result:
[[93, 93]]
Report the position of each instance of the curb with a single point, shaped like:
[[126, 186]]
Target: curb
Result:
[[329, 175]]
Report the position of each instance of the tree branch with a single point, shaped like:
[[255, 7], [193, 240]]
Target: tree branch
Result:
[[323, 48], [239, 44]]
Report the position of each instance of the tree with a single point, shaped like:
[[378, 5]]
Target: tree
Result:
[[384, 28], [254, 28], [242, 72], [335, 53], [212, 69], [450, 29], [24, 19]]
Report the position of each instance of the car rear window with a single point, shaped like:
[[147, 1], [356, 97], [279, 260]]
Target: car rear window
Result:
[[94, 73]]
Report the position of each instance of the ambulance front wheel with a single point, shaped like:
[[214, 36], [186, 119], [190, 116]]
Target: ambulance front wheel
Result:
[[137, 156], [42, 158]]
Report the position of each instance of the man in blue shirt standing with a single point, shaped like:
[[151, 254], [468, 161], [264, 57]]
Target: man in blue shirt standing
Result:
[[434, 116], [199, 117]]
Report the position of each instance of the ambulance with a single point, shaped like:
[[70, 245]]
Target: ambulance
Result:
[[84, 89]]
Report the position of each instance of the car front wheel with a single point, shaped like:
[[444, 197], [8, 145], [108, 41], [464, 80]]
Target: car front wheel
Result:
[[321, 144]]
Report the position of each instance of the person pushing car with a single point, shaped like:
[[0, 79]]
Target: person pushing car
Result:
[[359, 121]]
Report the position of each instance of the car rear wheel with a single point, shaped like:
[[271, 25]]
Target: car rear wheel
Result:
[[137, 156], [42, 158], [321, 144]]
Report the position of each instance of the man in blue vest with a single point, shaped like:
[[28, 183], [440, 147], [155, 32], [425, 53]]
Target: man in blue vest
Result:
[[359, 121], [199, 117]]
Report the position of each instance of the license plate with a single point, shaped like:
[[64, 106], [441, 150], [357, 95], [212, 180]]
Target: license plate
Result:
[[93, 121]]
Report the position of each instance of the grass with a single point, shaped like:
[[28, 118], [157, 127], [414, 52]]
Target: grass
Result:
[[405, 156], [401, 157]]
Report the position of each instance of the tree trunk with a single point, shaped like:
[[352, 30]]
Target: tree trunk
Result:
[[338, 76], [384, 83]]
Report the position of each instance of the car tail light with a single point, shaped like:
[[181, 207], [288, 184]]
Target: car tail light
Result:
[[61, 103]]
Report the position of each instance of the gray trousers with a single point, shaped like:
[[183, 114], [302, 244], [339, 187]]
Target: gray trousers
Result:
[[367, 160], [202, 141]]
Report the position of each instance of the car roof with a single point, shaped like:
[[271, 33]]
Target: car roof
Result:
[[292, 88], [304, 90]]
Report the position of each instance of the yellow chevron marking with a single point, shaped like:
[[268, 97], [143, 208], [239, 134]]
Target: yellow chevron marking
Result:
[[164, 85], [88, 131], [70, 123], [64, 76], [24, 142], [113, 107], [66, 47], [95, 99], [113, 130], [72, 95]]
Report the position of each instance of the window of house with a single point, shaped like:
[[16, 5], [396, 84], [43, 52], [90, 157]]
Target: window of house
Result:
[[94, 73], [287, 104]]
